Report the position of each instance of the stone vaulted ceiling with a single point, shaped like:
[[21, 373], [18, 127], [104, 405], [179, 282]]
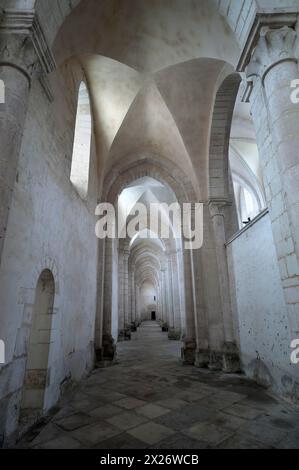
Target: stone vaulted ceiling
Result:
[[153, 68]]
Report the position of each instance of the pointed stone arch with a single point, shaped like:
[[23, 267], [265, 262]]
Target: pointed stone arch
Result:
[[219, 177]]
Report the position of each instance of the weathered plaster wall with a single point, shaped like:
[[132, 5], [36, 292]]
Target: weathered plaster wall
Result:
[[49, 227], [264, 332]]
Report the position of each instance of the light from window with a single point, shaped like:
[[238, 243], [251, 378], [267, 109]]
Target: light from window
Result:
[[250, 205], [82, 143]]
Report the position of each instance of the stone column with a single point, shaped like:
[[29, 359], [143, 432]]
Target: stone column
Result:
[[228, 358], [189, 347], [138, 319], [165, 323], [132, 298], [270, 72], [108, 351], [161, 297], [126, 288], [170, 320], [100, 300], [121, 307], [174, 330], [23, 51]]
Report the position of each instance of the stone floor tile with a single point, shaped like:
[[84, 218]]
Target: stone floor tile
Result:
[[240, 441], [172, 403], [268, 435], [228, 421], [191, 396], [180, 441], [62, 442], [186, 417], [73, 422], [130, 403], [91, 435], [84, 405], [127, 420], [122, 441], [290, 441], [243, 411], [107, 411], [152, 411], [151, 433], [209, 433]]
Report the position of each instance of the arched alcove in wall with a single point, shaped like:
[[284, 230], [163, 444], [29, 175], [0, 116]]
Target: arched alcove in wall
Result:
[[37, 364]]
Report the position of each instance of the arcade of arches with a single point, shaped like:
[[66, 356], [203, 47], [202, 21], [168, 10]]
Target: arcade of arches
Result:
[[133, 102]]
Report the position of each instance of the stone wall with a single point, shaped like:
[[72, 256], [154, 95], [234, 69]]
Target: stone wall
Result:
[[49, 227], [241, 14], [262, 320]]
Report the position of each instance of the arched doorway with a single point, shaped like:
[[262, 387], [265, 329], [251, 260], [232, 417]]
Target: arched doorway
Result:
[[37, 366]]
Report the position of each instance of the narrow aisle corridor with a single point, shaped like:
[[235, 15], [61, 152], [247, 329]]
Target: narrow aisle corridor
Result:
[[150, 400]]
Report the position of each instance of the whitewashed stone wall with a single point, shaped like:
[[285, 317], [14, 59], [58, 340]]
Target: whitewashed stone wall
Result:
[[49, 227], [241, 14], [262, 318]]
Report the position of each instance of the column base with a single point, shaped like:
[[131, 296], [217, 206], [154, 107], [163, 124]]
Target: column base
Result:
[[174, 335], [227, 360], [231, 359], [106, 355], [133, 326], [215, 361], [202, 358], [188, 352], [164, 327], [124, 334]]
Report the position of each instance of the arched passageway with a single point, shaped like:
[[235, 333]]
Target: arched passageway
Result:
[[37, 374], [148, 272]]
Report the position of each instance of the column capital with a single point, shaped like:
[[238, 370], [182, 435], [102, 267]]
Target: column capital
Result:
[[126, 253], [163, 267], [274, 47], [216, 206], [23, 45], [272, 21]]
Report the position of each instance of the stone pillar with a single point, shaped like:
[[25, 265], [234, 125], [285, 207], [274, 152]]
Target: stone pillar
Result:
[[181, 292], [121, 306], [174, 330], [165, 323], [108, 351], [100, 299], [133, 299], [189, 347], [126, 288], [228, 358], [124, 324], [161, 297], [270, 72], [202, 339], [170, 292], [137, 306], [23, 50]]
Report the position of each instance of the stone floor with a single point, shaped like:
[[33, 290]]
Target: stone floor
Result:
[[150, 400]]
